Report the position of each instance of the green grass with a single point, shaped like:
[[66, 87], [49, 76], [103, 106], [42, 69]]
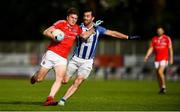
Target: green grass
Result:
[[93, 96]]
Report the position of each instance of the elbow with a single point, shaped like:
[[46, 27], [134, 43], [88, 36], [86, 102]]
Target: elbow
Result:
[[45, 33]]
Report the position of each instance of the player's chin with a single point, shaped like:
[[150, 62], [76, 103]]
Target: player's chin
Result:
[[72, 23], [86, 22]]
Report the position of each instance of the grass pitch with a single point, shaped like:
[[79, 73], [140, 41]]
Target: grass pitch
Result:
[[93, 95]]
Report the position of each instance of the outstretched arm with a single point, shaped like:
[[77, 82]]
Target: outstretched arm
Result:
[[149, 52], [120, 35], [116, 34]]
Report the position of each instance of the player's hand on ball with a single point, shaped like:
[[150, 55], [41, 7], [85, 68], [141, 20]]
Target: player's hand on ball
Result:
[[58, 35], [134, 37], [59, 38]]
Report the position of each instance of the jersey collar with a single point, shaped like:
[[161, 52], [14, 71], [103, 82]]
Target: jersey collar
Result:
[[84, 27]]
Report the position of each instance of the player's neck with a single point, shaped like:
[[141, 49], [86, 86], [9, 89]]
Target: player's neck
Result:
[[69, 24], [160, 36], [89, 25]]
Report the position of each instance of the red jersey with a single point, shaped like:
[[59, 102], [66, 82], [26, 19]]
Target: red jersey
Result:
[[63, 47], [161, 47]]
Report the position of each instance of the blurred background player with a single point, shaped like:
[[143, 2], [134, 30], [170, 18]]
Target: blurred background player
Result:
[[161, 45], [84, 54], [57, 53]]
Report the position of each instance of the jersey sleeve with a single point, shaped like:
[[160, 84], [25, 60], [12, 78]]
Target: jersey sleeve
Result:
[[169, 41], [101, 29], [152, 42]]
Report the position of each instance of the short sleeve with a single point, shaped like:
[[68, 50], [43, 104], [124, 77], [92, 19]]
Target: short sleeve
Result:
[[152, 42], [101, 29], [169, 41]]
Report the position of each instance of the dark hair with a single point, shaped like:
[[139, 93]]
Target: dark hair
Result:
[[161, 26], [89, 9], [72, 10]]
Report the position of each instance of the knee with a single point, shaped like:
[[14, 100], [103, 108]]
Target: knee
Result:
[[65, 80], [39, 77], [59, 79], [76, 85], [78, 82], [160, 72]]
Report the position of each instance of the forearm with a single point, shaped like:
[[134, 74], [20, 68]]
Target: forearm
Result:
[[171, 54], [116, 34], [120, 35], [48, 32], [149, 52]]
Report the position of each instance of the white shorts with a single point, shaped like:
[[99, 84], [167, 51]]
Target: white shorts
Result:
[[160, 63], [83, 67], [51, 59]]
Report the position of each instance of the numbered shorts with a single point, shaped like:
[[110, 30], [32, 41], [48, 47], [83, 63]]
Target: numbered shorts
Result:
[[160, 63], [83, 67], [51, 59]]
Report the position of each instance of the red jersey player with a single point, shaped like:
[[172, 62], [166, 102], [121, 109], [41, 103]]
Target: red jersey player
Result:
[[57, 53], [162, 47]]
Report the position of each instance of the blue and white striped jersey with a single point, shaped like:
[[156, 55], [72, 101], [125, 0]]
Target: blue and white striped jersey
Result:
[[86, 49]]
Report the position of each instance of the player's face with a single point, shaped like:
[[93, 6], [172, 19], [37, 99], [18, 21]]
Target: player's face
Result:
[[88, 18], [72, 19], [160, 31]]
